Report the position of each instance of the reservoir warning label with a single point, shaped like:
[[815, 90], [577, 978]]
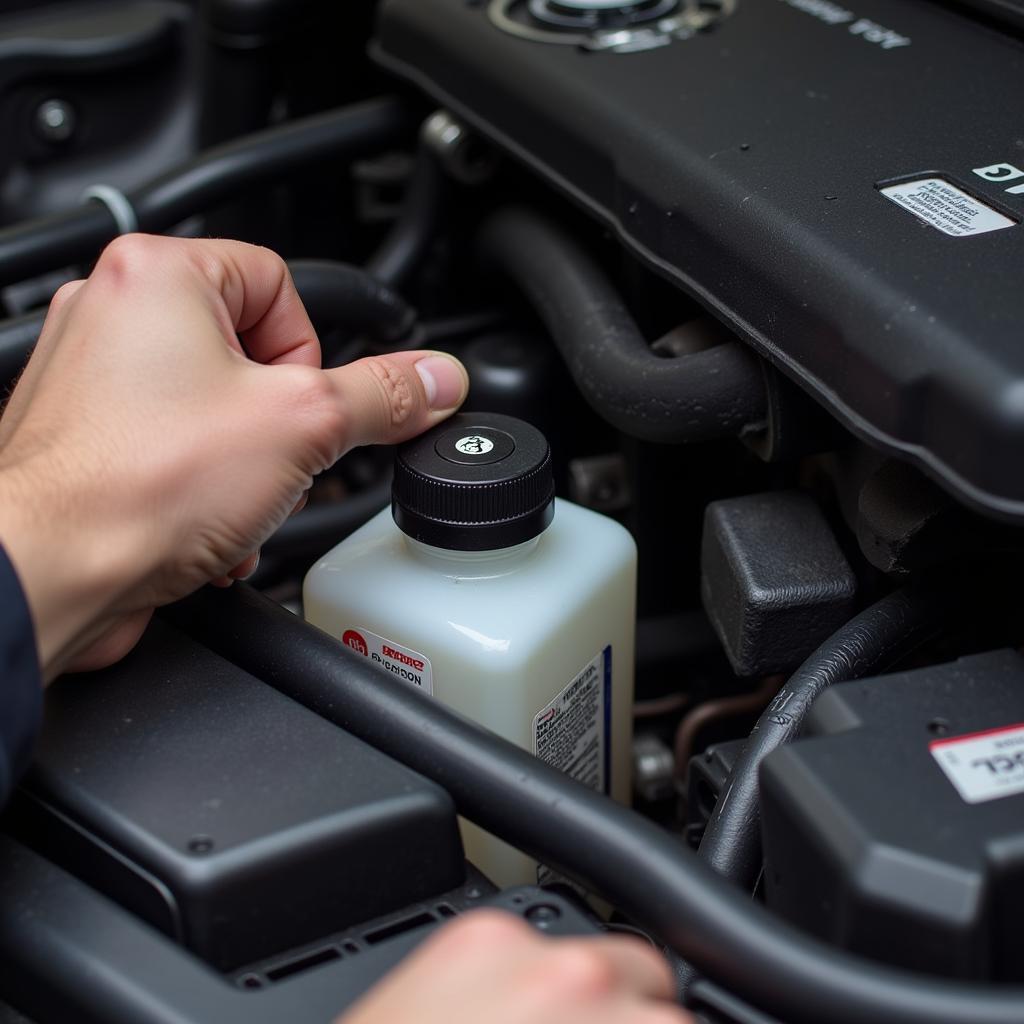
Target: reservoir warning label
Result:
[[401, 661], [572, 732], [946, 207]]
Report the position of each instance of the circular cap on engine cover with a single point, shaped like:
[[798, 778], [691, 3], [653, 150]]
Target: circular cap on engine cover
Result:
[[477, 482]]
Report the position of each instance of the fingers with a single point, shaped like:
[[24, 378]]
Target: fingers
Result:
[[245, 569], [388, 399], [242, 571], [490, 965], [637, 967], [252, 291], [264, 306], [583, 966]]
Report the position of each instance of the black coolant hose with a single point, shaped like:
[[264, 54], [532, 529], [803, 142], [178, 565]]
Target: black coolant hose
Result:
[[714, 393], [422, 210], [635, 864], [869, 643], [336, 296], [216, 176]]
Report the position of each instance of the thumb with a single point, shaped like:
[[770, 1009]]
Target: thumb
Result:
[[390, 398]]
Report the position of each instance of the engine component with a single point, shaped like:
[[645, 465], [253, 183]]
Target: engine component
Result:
[[36, 246], [653, 768], [717, 392], [735, 164], [467, 157], [774, 581], [93, 946], [228, 817], [475, 565], [870, 642], [706, 778], [423, 207], [616, 26], [895, 828], [642, 869], [337, 295]]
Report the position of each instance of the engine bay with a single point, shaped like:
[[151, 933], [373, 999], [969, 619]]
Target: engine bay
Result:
[[736, 283]]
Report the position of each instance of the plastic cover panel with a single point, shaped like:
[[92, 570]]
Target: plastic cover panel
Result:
[[747, 164]]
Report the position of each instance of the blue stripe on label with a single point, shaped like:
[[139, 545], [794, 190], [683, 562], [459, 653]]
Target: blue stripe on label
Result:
[[608, 720]]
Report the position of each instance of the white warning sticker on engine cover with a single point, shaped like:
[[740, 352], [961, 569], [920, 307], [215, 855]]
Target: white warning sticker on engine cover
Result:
[[401, 661], [571, 732], [983, 765], [944, 206]]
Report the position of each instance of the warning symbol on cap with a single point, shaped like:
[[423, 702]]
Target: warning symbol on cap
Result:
[[474, 445]]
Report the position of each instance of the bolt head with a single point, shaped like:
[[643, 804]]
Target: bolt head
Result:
[[55, 120]]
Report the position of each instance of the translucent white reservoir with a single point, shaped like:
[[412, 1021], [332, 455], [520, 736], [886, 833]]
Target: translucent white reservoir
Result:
[[516, 610]]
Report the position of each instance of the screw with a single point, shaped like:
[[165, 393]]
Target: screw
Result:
[[55, 121], [200, 844], [543, 915]]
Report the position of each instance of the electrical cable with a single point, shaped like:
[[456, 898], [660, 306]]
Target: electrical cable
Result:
[[868, 644]]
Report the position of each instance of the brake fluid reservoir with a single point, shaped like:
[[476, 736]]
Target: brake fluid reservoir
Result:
[[513, 608]]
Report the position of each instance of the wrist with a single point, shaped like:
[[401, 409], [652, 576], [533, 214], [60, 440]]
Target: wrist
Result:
[[72, 566]]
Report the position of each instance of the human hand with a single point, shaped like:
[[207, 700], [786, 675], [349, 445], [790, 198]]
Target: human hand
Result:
[[491, 966], [147, 450]]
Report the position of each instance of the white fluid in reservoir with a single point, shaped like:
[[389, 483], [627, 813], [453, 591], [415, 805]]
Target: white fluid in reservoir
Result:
[[513, 608]]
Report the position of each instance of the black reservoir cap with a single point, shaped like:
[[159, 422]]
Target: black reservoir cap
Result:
[[477, 482]]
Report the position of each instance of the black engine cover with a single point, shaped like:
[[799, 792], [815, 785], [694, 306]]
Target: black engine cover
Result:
[[747, 163]]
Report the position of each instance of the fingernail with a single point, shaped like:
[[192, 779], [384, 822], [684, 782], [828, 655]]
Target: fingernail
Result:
[[255, 565], [444, 381]]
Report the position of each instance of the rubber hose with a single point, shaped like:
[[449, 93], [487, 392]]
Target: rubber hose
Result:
[[220, 173], [714, 393], [868, 644], [640, 868], [338, 295], [406, 244], [216, 176]]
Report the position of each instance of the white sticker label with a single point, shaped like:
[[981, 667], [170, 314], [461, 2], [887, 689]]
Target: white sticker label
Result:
[[944, 206], [571, 733], [474, 445], [983, 765], [403, 662]]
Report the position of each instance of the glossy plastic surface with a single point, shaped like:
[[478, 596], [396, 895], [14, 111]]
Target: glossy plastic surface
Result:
[[504, 632]]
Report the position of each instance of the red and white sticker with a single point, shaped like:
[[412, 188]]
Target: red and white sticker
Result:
[[983, 765], [401, 661]]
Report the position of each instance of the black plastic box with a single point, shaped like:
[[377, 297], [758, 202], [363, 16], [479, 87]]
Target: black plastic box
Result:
[[225, 814], [871, 838]]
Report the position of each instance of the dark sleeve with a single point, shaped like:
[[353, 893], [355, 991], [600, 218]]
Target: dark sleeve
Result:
[[21, 687]]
